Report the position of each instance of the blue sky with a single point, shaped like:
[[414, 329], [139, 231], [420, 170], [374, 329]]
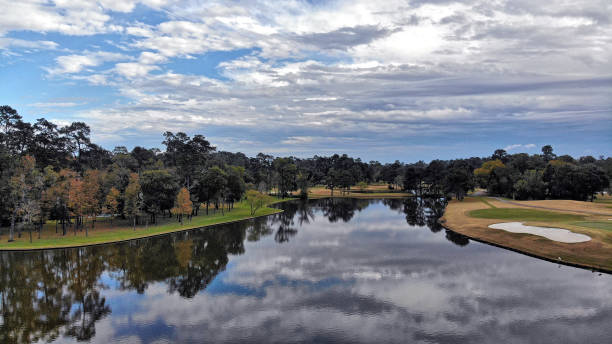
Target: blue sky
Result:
[[388, 80]]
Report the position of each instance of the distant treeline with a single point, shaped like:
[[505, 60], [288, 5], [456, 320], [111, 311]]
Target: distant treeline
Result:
[[53, 172]]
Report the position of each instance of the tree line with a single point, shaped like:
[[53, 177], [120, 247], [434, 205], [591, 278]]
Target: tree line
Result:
[[52, 172]]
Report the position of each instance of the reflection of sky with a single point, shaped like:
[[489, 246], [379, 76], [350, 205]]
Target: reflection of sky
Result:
[[383, 281]]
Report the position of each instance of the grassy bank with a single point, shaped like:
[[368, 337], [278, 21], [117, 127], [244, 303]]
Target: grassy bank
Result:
[[105, 232], [473, 216]]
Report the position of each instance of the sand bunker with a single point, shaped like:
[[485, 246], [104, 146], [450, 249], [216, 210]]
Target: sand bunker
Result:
[[556, 234]]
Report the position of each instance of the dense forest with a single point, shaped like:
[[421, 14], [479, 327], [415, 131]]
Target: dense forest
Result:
[[48, 172]]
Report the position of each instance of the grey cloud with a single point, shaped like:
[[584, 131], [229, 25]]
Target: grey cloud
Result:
[[346, 37], [454, 19]]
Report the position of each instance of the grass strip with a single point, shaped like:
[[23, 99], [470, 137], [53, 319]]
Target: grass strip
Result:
[[595, 224], [240, 212], [524, 215]]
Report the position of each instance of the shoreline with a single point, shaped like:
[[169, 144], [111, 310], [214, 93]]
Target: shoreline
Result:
[[362, 195], [142, 235], [529, 254], [373, 196]]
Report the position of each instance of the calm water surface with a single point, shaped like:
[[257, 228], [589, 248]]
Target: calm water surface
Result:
[[323, 271]]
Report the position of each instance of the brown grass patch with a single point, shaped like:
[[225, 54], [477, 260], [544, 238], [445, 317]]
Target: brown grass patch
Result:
[[372, 191]]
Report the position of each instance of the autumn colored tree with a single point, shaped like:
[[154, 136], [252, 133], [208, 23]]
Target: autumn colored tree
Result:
[[482, 174], [133, 199], [111, 203], [183, 205], [91, 196]]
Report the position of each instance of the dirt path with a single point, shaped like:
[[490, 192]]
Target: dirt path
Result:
[[548, 208]]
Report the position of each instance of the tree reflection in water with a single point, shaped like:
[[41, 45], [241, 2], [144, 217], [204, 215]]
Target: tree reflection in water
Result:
[[344, 209], [50, 293], [420, 211], [285, 223], [53, 293]]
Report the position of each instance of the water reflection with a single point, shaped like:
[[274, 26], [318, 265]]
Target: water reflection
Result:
[[420, 211], [341, 270]]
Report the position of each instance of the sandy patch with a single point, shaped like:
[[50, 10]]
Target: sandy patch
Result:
[[555, 234]]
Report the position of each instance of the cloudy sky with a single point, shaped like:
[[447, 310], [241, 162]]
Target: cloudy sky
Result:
[[381, 80]]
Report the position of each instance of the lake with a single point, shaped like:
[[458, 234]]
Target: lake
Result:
[[326, 271]]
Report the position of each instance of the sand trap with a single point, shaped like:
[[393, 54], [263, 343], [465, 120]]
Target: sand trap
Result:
[[556, 234]]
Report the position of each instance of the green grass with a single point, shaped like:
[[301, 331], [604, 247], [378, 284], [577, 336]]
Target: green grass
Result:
[[524, 215], [241, 211], [595, 224]]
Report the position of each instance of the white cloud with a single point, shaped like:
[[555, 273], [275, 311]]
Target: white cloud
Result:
[[319, 99], [297, 140], [56, 104], [71, 64], [519, 146], [6, 43], [132, 70], [182, 38], [67, 17], [148, 57]]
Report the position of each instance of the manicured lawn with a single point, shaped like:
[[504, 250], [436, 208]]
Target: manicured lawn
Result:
[[595, 224], [521, 214], [102, 234]]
